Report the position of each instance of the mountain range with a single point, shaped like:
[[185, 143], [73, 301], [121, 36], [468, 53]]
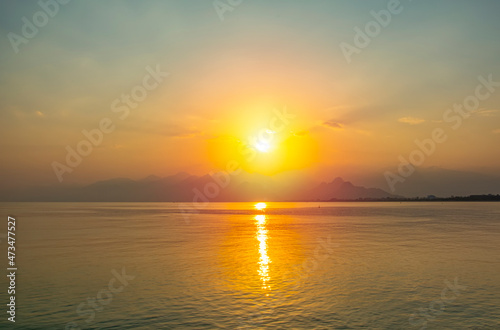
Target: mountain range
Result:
[[183, 187], [218, 187]]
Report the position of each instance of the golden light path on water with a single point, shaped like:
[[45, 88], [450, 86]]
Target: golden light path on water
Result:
[[264, 260]]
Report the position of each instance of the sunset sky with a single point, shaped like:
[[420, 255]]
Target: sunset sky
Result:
[[229, 78]]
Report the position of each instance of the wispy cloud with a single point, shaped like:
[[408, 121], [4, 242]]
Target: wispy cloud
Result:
[[496, 131], [487, 113], [411, 120], [332, 124]]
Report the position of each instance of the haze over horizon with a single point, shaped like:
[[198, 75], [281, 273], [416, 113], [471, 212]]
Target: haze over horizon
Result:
[[266, 88], [251, 187]]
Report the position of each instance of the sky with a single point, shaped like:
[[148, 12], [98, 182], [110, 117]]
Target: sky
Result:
[[276, 87]]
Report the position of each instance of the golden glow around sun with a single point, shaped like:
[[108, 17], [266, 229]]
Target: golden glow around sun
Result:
[[259, 143]]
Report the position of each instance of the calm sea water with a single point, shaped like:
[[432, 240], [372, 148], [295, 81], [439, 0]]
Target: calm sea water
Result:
[[232, 266]]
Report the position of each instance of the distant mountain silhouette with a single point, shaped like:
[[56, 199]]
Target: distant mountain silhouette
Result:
[[339, 189], [183, 187]]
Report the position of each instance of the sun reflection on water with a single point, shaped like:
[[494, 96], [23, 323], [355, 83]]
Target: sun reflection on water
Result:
[[264, 260]]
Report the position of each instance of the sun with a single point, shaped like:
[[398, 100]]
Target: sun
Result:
[[262, 146]]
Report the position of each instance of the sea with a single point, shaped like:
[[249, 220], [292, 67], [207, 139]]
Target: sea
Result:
[[266, 265]]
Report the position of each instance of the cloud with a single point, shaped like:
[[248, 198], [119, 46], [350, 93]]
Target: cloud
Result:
[[411, 120], [332, 124], [487, 113], [496, 131]]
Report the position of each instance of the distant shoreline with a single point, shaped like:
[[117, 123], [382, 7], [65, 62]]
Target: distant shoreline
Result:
[[470, 198]]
